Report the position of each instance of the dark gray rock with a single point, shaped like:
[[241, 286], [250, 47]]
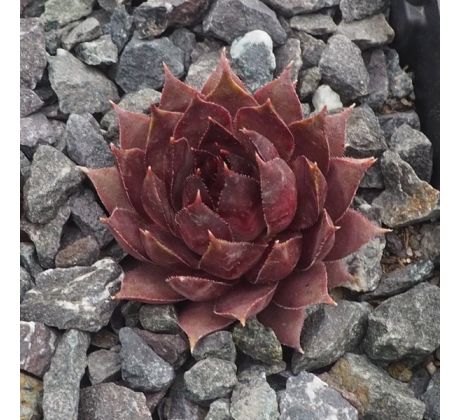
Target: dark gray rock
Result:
[[370, 32], [103, 366], [405, 326], [427, 242], [296, 7], [329, 332], [29, 101], [100, 51], [200, 69], [79, 88], [86, 214], [141, 63], [154, 399], [378, 79], [289, 53], [432, 398], [84, 142], [121, 27], [308, 397], [31, 393], [224, 20], [358, 9], [159, 318], [47, 237], [390, 122], [104, 339], [312, 49], [406, 199], [77, 297], [253, 58], [38, 343], [342, 67], [24, 169], [36, 130], [314, 24], [29, 259], [258, 341], [103, 17], [419, 381], [52, 179], [308, 82], [219, 344], [62, 381], [60, 12], [400, 82], [186, 41], [380, 396], [324, 96], [141, 367], [130, 312], [219, 410], [112, 402], [31, 8], [25, 281], [33, 53], [82, 252], [87, 30], [414, 148], [111, 5], [209, 379]]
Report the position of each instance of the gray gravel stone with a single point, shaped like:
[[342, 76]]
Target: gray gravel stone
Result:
[[25, 281], [252, 55], [60, 12], [305, 110], [314, 24], [79, 88], [186, 41], [405, 326], [258, 341], [419, 381], [159, 318], [112, 402], [77, 297], [38, 343], [141, 367], [324, 96], [289, 53], [224, 20], [103, 366], [329, 332], [381, 397], [219, 410], [36, 130], [84, 142], [29, 101], [209, 379], [406, 199], [104, 339], [141, 63], [200, 69], [342, 67], [400, 82], [432, 398], [308, 82], [414, 148], [33, 53], [97, 52], [390, 122], [295, 7], [312, 49], [219, 344], [121, 26], [370, 32], [29, 259], [378, 79], [52, 179], [308, 397], [82, 252], [87, 30], [358, 9], [62, 381], [31, 393], [24, 168], [111, 5]]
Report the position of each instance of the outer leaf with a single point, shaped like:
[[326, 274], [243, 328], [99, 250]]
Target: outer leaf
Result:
[[244, 301], [133, 128], [335, 126], [337, 274], [281, 93], [198, 289], [304, 288]]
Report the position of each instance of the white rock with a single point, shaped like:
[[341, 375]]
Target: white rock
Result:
[[325, 96]]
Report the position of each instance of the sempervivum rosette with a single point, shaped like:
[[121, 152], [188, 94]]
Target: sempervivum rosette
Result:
[[233, 205]]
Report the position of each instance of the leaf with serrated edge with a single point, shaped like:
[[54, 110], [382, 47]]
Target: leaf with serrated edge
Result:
[[198, 288]]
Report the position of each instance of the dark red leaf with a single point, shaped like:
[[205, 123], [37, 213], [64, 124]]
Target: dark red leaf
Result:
[[335, 126], [218, 137], [192, 185], [264, 147], [198, 289], [337, 274], [133, 128]]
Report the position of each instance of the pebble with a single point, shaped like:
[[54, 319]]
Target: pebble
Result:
[[103, 366], [100, 51], [36, 130], [110, 5], [305, 110], [308, 397], [324, 96], [109, 401], [404, 327], [317, 24], [219, 344], [431, 398], [258, 342], [141, 63], [296, 7], [312, 49], [104, 338], [252, 55], [289, 53], [358, 9], [390, 122], [76, 297], [329, 332], [159, 318], [60, 12], [399, 81], [219, 410], [308, 82], [82, 252], [224, 21], [186, 41], [428, 242], [78, 87], [121, 26], [378, 79], [201, 68], [29, 259], [380, 396], [62, 381], [130, 312], [30, 102], [87, 30], [31, 397], [32, 52], [419, 381], [342, 67], [26, 282], [141, 367]]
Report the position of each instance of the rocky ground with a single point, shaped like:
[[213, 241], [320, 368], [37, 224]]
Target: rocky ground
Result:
[[375, 355]]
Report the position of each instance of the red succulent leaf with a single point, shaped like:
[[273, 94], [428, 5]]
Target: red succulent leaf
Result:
[[196, 220], [197, 288], [198, 319], [309, 137], [264, 147], [230, 260], [146, 283], [176, 95], [240, 164], [287, 324], [311, 192], [335, 126], [240, 206], [195, 121], [109, 187], [264, 120], [355, 230], [217, 137], [282, 95], [280, 261], [343, 180], [192, 185], [244, 301], [337, 274], [303, 288], [133, 128], [279, 194]]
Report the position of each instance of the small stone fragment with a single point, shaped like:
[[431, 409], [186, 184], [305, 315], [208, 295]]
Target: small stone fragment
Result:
[[30, 101], [32, 53], [314, 24], [103, 366], [200, 69], [87, 30], [324, 96], [219, 410], [29, 259], [60, 12], [289, 53], [31, 398], [104, 338], [358, 9], [378, 79], [121, 26], [26, 282], [296, 7], [390, 122], [219, 344], [111, 5], [308, 82], [400, 82], [312, 49], [159, 318], [186, 41], [36, 130], [431, 398], [83, 252], [97, 52]]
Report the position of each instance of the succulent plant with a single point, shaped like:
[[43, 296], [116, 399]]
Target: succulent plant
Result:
[[232, 205]]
